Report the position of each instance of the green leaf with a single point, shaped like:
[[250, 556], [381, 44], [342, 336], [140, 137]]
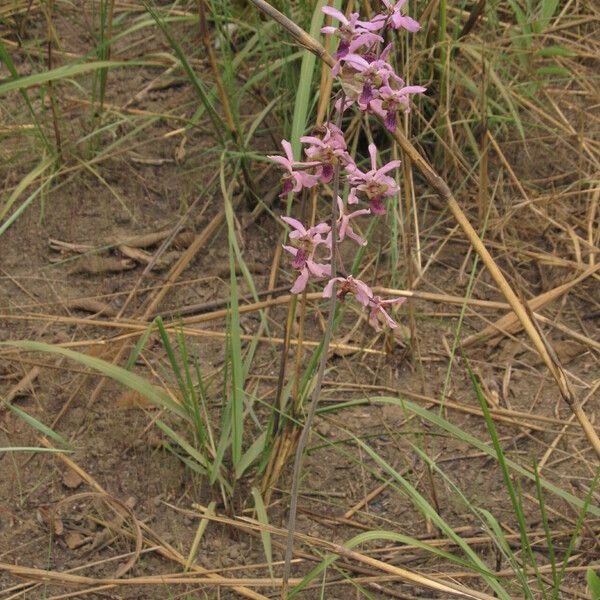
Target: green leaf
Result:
[[33, 422], [64, 72], [593, 582], [554, 71], [304, 95], [237, 399], [471, 440], [263, 519], [251, 455], [23, 185], [199, 86], [550, 51], [7, 60], [31, 449], [155, 395]]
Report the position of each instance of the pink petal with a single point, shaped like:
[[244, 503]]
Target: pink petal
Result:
[[288, 150], [364, 294], [400, 300], [354, 236], [295, 224], [388, 319], [335, 13], [284, 162], [320, 228], [309, 139], [359, 213], [317, 269], [352, 197], [412, 89], [409, 24], [358, 62], [391, 165], [328, 289], [344, 222], [373, 154], [301, 282]]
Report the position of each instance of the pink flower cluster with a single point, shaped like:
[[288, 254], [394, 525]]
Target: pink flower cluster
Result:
[[370, 82], [367, 77]]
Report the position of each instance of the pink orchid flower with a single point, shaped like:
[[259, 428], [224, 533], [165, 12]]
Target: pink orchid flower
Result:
[[375, 184], [353, 34], [308, 240], [348, 285], [294, 180], [378, 314], [396, 19], [327, 151], [391, 101], [372, 74]]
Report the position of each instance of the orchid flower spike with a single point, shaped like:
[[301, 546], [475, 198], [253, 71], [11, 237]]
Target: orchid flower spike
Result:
[[372, 74]]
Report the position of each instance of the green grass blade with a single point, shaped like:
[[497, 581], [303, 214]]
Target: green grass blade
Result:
[[551, 554], [172, 358], [7, 60], [155, 395], [210, 510], [471, 440], [508, 483], [578, 525], [593, 582], [32, 449], [237, 370], [379, 536], [430, 513], [19, 211], [140, 346], [256, 451], [38, 425], [304, 91], [23, 185], [64, 72], [263, 519]]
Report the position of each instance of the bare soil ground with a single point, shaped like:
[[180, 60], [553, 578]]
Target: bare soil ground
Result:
[[70, 295]]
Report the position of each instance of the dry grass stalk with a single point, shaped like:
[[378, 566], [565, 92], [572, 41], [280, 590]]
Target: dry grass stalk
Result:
[[511, 322], [424, 581]]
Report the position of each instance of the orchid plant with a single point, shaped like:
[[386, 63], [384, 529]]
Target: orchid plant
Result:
[[369, 82]]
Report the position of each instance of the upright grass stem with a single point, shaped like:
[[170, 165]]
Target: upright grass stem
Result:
[[51, 96], [234, 131], [298, 459]]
